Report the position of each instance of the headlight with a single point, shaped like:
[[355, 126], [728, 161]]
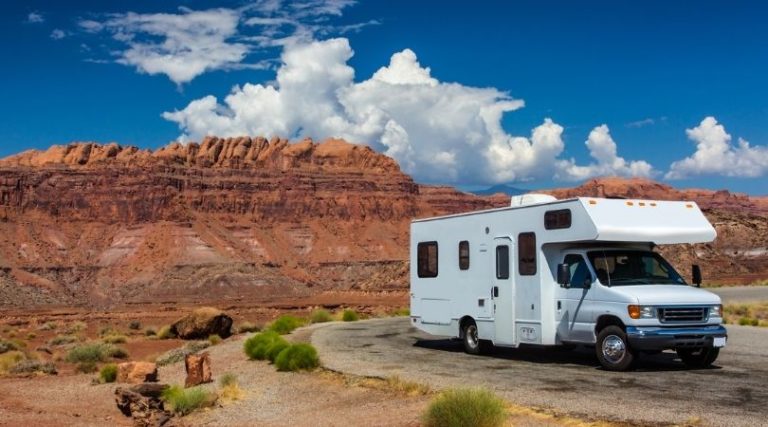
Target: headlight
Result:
[[716, 311], [641, 311]]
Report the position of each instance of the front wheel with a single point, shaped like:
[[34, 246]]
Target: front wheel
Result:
[[699, 357], [472, 342], [613, 351]]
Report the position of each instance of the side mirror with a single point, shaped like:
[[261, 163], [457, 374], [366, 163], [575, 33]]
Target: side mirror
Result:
[[696, 274], [588, 281], [563, 275]]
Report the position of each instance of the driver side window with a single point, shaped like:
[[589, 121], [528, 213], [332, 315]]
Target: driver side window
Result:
[[579, 270]]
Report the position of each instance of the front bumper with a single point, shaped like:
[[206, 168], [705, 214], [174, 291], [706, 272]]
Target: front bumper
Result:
[[658, 338]]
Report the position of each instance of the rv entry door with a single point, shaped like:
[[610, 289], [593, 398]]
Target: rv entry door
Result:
[[503, 291]]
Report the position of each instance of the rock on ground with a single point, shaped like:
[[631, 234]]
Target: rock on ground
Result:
[[202, 323]]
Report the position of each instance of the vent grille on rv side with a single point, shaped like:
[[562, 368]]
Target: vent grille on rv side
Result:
[[682, 314]]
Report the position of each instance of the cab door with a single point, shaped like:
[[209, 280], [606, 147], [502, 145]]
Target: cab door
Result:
[[503, 291], [574, 307]]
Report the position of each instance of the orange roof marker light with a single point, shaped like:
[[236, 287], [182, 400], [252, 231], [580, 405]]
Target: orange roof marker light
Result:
[[641, 203], [593, 202], [630, 203], [689, 206], [653, 204]]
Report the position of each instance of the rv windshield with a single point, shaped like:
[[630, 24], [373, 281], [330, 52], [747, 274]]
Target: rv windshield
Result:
[[627, 267]]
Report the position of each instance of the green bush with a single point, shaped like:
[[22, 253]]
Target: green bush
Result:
[[320, 316], [108, 373], [183, 401], [257, 346], [749, 321], [465, 408], [286, 324], [403, 311], [86, 367], [228, 379], [350, 316], [214, 339], [297, 357], [274, 349], [247, 327]]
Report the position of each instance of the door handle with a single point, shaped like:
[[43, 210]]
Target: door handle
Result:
[[495, 291]]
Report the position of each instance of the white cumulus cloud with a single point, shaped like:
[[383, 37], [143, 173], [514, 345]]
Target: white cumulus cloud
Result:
[[437, 131], [602, 148], [35, 18], [715, 155]]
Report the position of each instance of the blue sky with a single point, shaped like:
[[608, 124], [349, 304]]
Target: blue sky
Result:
[[677, 85]]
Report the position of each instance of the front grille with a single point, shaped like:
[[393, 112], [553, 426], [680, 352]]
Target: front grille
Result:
[[682, 314]]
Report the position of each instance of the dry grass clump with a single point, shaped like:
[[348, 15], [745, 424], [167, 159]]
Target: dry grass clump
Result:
[[95, 352], [166, 333], [755, 314], [401, 312], [465, 408], [62, 340], [75, 328], [247, 327], [214, 339], [229, 387], [115, 339], [48, 326], [10, 359], [407, 388], [34, 366]]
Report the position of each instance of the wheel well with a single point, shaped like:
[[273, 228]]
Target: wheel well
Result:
[[608, 320], [463, 321]]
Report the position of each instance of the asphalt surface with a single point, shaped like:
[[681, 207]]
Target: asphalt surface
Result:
[[741, 294], [662, 390]]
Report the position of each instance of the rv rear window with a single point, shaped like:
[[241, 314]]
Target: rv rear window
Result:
[[464, 255], [554, 220], [502, 262], [526, 254], [427, 259]]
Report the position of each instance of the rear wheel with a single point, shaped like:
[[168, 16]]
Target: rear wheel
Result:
[[698, 357], [472, 342], [613, 349]]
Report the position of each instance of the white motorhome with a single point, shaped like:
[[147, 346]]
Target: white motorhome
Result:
[[563, 272]]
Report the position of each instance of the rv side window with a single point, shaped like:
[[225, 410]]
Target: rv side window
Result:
[[554, 220], [502, 262], [464, 255], [427, 259], [526, 254]]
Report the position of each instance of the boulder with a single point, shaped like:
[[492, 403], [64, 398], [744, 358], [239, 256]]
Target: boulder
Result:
[[142, 403], [202, 323], [198, 368], [136, 372]]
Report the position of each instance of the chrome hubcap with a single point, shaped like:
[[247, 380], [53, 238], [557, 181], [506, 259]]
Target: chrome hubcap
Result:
[[472, 339], [613, 348]]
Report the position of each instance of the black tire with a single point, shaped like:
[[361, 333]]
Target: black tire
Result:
[[469, 336], [613, 350], [698, 357]]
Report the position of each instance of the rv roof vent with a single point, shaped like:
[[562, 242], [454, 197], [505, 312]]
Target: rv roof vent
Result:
[[531, 199]]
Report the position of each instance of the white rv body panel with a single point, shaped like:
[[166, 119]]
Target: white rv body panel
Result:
[[531, 307]]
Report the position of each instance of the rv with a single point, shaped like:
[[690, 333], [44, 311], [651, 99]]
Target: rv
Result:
[[554, 272]]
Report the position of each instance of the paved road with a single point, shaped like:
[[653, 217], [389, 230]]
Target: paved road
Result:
[[662, 390], [741, 294]]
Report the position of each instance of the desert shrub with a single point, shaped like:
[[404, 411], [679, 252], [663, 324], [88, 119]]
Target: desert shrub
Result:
[[214, 339], [32, 366], [257, 346], [134, 325], [229, 387], [95, 352], [350, 316], [320, 316], [465, 408], [75, 327], [247, 327], [62, 339], [166, 333], [6, 346], [183, 401], [115, 339], [297, 357], [12, 334], [150, 332], [408, 388], [277, 347], [108, 373], [749, 321], [10, 359], [31, 336], [178, 354], [285, 324], [87, 367], [48, 326]]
